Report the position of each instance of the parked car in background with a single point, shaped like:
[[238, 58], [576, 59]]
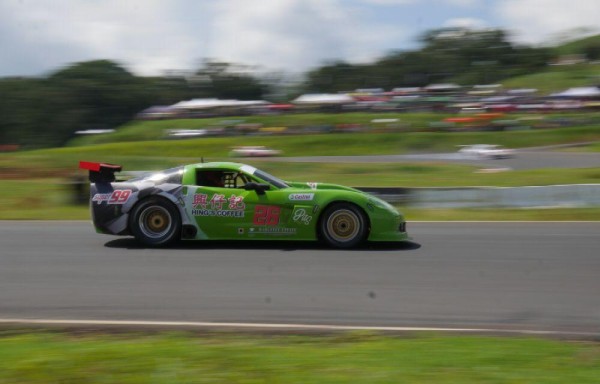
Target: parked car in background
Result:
[[253, 151], [487, 151]]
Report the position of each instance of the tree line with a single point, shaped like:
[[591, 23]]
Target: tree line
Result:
[[100, 94]]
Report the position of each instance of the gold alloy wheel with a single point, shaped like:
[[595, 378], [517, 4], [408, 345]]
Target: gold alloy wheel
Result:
[[343, 225], [155, 222]]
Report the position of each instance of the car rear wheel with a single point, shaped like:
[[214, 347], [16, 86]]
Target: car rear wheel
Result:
[[343, 225], [155, 222]]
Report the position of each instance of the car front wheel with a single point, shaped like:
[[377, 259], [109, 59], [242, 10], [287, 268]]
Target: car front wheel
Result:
[[343, 225]]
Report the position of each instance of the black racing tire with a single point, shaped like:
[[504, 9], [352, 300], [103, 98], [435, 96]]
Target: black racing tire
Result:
[[343, 225], [155, 221]]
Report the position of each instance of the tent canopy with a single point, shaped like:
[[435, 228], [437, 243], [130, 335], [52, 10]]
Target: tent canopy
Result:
[[323, 98], [579, 92], [214, 103]]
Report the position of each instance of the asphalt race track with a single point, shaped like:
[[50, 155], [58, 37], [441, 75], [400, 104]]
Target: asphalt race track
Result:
[[512, 276], [523, 159]]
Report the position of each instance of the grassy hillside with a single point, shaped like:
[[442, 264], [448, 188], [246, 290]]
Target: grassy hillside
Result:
[[153, 130], [142, 154], [558, 78], [577, 46], [409, 127]]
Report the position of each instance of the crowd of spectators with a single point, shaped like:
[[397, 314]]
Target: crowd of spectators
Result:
[[433, 98]]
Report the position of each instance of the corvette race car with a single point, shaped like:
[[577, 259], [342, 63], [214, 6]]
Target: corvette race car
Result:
[[232, 201]]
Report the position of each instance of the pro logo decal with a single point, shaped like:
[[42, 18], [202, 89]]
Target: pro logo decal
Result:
[[300, 216]]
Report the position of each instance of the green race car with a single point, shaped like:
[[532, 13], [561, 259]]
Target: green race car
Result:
[[231, 201]]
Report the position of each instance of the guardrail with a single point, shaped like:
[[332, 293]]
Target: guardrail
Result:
[[571, 195]]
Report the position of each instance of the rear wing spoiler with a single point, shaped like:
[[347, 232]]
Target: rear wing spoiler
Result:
[[100, 172]]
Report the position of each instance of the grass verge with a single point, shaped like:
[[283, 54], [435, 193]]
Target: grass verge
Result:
[[345, 358], [53, 198], [406, 123], [159, 154], [55, 204]]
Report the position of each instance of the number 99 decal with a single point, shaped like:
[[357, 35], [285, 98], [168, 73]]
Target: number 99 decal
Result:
[[116, 197], [119, 197]]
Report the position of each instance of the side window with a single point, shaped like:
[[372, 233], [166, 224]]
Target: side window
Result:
[[235, 179], [209, 178], [221, 179]]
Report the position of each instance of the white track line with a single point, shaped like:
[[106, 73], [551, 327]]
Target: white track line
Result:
[[290, 327]]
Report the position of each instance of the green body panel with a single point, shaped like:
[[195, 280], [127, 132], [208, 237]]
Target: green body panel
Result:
[[291, 212]]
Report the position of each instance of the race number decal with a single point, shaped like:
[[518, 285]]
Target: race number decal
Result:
[[266, 215], [119, 196]]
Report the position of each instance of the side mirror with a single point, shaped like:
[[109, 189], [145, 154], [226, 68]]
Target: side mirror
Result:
[[259, 188]]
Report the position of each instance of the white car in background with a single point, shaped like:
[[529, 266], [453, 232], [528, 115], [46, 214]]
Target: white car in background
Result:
[[253, 151], [486, 151]]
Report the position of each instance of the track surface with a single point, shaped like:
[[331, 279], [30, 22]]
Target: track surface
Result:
[[524, 159], [543, 276]]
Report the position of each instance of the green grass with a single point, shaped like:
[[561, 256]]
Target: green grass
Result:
[[557, 78], [52, 199], [161, 154], [39, 199], [505, 214], [33, 183], [424, 175], [577, 46], [344, 358], [595, 147], [138, 130], [408, 123]]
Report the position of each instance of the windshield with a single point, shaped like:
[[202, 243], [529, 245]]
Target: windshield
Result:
[[271, 179], [168, 176]]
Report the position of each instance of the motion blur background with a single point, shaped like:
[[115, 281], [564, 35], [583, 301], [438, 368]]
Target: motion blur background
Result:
[[394, 96], [119, 81]]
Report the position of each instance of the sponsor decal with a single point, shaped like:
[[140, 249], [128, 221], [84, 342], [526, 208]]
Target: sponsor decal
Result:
[[301, 196], [236, 202], [200, 199], [218, 205], [272, 231], [119, 196], [216, 213], [300, 216], [266, 215], [312, 185]]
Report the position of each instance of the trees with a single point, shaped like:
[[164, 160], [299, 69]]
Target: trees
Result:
[[227, 81], [447, 55], [47, 111], [102, 94]]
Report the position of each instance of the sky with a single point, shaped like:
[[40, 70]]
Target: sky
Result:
[[151, 37]]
